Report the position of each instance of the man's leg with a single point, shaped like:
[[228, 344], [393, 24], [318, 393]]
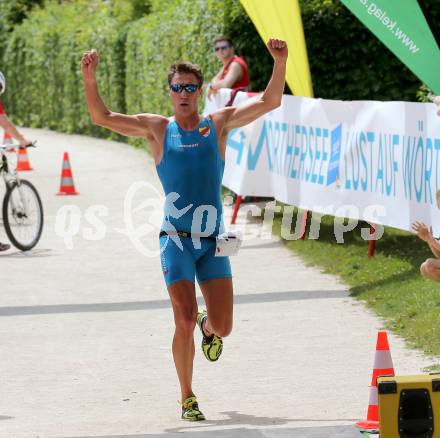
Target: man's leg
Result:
[[218, 294], [183, 299], [431, 269]]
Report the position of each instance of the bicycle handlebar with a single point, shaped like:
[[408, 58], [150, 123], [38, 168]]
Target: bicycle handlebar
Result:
[[12, 146], [30, 145]]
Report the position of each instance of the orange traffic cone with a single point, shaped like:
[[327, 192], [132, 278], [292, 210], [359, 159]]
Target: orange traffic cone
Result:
[[23, 160], [67, 187], [383, 366]]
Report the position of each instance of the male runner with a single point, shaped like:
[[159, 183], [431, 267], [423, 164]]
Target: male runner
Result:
[[189, 153], [234, 73], [9, 128]]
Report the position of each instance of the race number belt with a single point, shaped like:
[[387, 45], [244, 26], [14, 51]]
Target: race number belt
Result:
[[227, 244]]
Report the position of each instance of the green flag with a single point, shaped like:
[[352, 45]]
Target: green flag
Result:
[[402, 27]]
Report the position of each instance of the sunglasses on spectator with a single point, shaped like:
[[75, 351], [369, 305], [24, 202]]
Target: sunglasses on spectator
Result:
[[221, 48], [189, 88]]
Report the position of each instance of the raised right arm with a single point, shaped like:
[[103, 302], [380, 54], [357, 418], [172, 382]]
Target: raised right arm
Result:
[[138, 125]]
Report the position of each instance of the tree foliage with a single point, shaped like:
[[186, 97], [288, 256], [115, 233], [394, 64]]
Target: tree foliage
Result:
[[11, 14], [44, 70]]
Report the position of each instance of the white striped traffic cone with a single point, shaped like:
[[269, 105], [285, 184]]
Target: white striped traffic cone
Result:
[[383, 366], [67, 187], [23, 160]]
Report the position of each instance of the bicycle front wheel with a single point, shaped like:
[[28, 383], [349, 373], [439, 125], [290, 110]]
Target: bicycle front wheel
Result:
[[23, 215]]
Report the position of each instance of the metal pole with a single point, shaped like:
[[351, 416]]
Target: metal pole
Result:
[[304, 217], [236, 207], [372, 243]]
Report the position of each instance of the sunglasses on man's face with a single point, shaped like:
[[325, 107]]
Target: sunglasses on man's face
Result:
[[221, 48], [189, 88]]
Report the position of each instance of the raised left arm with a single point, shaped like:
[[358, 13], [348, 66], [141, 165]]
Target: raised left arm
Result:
[[270, 99]]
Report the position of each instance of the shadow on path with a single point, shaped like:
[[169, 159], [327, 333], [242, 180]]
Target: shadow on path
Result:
[[236, 418], [257, 298], [33, 253], [303, 432]]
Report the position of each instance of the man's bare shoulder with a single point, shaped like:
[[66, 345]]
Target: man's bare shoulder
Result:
[[222, 114], [221, 118], [155, 120], [155, 126]]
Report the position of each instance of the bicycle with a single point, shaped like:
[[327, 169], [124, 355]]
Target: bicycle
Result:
[[22, 208]]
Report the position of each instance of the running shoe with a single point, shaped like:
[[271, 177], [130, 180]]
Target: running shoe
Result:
[[212, 346], [191, 411]]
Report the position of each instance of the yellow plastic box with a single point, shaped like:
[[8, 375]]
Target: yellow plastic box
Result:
[[409, 406]]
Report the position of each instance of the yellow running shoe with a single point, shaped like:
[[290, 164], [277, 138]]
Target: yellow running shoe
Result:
[[191, 411], [212, 346]]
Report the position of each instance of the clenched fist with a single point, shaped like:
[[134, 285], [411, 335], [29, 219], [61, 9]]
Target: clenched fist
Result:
[[89, 63], [277, 48]]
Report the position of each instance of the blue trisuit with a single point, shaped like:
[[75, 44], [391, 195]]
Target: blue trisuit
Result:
[[191, 172]]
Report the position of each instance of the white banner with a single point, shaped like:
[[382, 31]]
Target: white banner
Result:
[[374, 161]]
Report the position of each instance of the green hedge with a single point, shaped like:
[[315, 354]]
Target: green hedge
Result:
[[13, 13], [42, 64]]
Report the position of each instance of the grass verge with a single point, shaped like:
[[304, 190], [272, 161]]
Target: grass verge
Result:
[[390, 282]]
